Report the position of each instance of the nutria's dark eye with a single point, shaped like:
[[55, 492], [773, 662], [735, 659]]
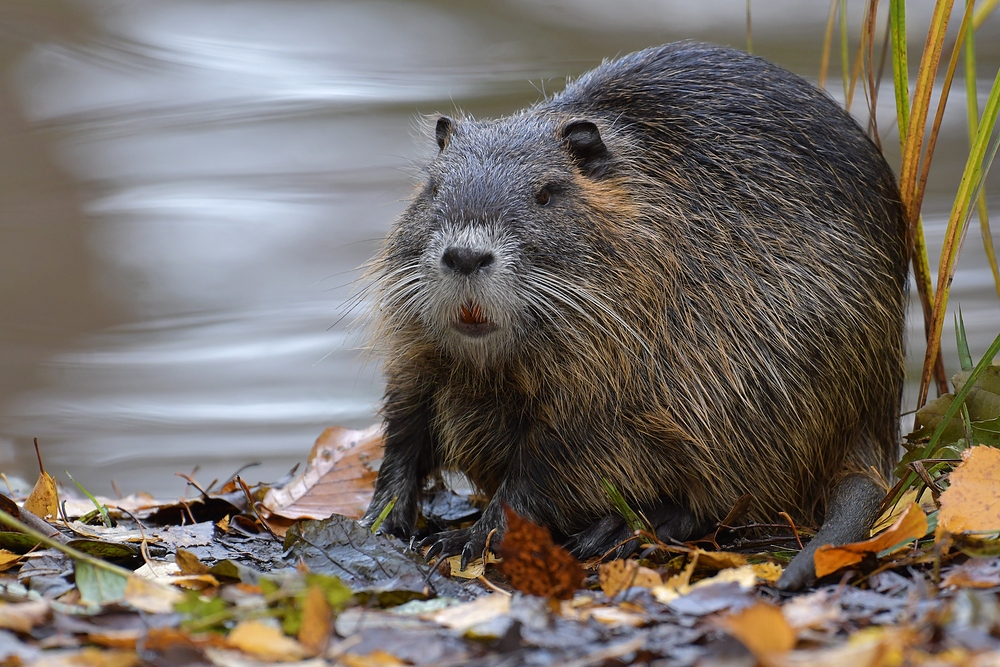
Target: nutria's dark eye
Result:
[[544, 197], [433, 187]]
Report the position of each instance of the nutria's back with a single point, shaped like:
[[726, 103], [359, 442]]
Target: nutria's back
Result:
[[685, 275]]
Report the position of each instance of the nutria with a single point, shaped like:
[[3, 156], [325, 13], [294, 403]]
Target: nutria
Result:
[[685, 274]]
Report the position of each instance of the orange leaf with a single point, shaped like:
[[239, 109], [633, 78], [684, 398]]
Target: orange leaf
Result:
[[43, 500], [619, 575], [763, 629], [534, 564], [338, 479], [317, 622], [912, 524], [971, 502]]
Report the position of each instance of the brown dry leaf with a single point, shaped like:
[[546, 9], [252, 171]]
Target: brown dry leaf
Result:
[[189, 563], [719, 560], [264, 642], [971, 502], [161, 639], [91, 657], [912, 524], [620, 574], [23, 616], [43, 500], [317, 622], [123, 639], [534, 564], [338, 479], [763, 629], [8, 559]]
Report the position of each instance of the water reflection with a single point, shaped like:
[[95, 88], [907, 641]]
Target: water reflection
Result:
[[212, 175]]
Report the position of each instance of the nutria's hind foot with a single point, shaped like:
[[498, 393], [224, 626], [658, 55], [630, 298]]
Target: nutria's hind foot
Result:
[[851, 511], [609, 537]]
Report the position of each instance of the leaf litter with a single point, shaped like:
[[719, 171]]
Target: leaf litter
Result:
[[249, 576]]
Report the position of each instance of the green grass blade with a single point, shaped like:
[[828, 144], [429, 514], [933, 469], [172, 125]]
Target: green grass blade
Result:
[[972, 111], [964, 356], [973, 177], [103, 509], [900, 68]]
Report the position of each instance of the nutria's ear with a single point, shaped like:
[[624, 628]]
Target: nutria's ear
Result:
[[442, 131], [583, 140]]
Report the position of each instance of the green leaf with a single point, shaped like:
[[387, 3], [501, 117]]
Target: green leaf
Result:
[[19, 543], [98, 585], [986, 432], [964, 356], [106, 550]]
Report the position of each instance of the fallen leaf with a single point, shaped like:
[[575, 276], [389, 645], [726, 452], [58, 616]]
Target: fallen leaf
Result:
[[719, 560], [121, 639], [473, 570], [469, 614], [189, 563], [92, 657], [376, 658], [317, 622], [23, 616], [161, 639], [338, 479], [150, 596], [971, 503], [763, 630], [974, 573], [621, 574], [912, 524], [97, 585], [815, 610], [534, 564], [8, 559], [264, 642], [769, 572], [43, 500]]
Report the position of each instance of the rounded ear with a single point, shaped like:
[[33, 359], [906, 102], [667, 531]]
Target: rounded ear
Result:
[[583, 140], [442, 131]]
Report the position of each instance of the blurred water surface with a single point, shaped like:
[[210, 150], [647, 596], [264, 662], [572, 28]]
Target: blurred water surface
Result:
[[187, 190]]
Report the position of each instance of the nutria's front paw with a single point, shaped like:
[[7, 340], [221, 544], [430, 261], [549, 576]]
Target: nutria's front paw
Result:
[[394, 524], [470, 542]]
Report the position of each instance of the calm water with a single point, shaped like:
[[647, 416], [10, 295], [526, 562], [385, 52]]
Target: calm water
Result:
[[188, 187]]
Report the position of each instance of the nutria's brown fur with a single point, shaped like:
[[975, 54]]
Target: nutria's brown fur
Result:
[[685, 274]]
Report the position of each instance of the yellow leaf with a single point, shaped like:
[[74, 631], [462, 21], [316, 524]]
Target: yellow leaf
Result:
[[912, 524], [769, 572], [971, 502], [264, 642], [317, 622], [763, 629], [8, 559], [43, 500], [619, 575], [189, 563]]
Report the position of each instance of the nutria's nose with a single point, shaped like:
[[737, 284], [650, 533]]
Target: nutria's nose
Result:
[[466, 260]]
